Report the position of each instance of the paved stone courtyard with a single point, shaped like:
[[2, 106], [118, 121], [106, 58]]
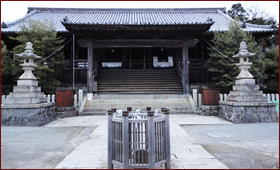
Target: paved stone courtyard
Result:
[[81, 143], [85, 145]]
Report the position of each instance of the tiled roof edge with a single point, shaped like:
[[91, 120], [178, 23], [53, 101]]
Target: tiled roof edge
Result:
[[225, 15], [4, 31], [259, 26], [20, 19], [248, 24], [40, 9]]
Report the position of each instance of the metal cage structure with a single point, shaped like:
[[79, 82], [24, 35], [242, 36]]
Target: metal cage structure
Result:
[[138, 139]]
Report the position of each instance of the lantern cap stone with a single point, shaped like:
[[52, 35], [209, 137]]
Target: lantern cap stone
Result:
[[243, 51], [28, 53]]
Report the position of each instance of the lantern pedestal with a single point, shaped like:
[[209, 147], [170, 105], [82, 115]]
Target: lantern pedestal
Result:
[[246, 104], [27, 105]]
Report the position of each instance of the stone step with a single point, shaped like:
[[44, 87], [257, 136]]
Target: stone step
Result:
[[252, 98], [139, 81], [137, 101], [101, 104], [245, 88], [171, 111], [26, 89], [124, 107], [24, 101], [158, 96], [26, 95], [246, 93]]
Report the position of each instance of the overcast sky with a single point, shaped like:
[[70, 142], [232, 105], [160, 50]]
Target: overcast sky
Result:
[[13, 10]]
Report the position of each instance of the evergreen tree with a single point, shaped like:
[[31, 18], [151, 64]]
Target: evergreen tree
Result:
[[45, 42], [268, 41], [223, 67], [7, 65], [238, 11], [272, 69]]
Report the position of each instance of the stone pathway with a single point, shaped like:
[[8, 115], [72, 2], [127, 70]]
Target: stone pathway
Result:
[[92, 153]]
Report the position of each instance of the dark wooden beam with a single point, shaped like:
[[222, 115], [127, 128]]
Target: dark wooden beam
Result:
[[82, 27], [125, 43]]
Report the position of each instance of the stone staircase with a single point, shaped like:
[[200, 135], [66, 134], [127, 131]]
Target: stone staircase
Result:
[[177, 104], [139, 81]]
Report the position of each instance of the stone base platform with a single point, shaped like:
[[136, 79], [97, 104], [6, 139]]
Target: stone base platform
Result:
[[209, 110], [66, 111], [248, 112], [32, 115]]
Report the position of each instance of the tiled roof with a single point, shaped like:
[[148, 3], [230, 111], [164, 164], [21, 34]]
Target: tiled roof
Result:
[[147, 16]]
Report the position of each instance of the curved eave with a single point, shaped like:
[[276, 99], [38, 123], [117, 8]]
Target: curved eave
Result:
[[266, 32], [15, 32], [138, 24], [201, 27], [10, 24]]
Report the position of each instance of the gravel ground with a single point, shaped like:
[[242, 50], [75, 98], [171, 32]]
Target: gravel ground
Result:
[[240, 146], [39, 147]]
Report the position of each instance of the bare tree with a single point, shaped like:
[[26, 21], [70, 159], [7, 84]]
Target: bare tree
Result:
[[255, 10]]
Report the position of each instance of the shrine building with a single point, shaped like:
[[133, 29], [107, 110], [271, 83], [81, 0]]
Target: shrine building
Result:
[[135, 51]]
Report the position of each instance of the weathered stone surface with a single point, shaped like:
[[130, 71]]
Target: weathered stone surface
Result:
[[26, 106], [67, 114], [27, 94], [209, 110], [63, 109], [248, 114], [246, 93], [245, 81], [24, 100], [245, 88], [27, 83], [26, 88], [27, 117], [247, 98], [66, 111]]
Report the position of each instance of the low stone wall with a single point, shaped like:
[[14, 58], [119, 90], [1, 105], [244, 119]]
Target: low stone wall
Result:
[[66, 111], [254, 113], [209, 110], [27, 116]]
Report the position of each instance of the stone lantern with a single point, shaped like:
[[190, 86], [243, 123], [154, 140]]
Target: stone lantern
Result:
[[244, 77], [28, 64], [27, 105], [246, 103]]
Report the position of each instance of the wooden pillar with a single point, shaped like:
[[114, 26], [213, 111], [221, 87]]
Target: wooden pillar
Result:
[[89, 68], [203, 70], [150, 58], [144, 58], [185, 63], [185, 69], [124, 58]]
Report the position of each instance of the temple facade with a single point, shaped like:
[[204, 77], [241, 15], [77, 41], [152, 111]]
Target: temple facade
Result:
[[148, 46]]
